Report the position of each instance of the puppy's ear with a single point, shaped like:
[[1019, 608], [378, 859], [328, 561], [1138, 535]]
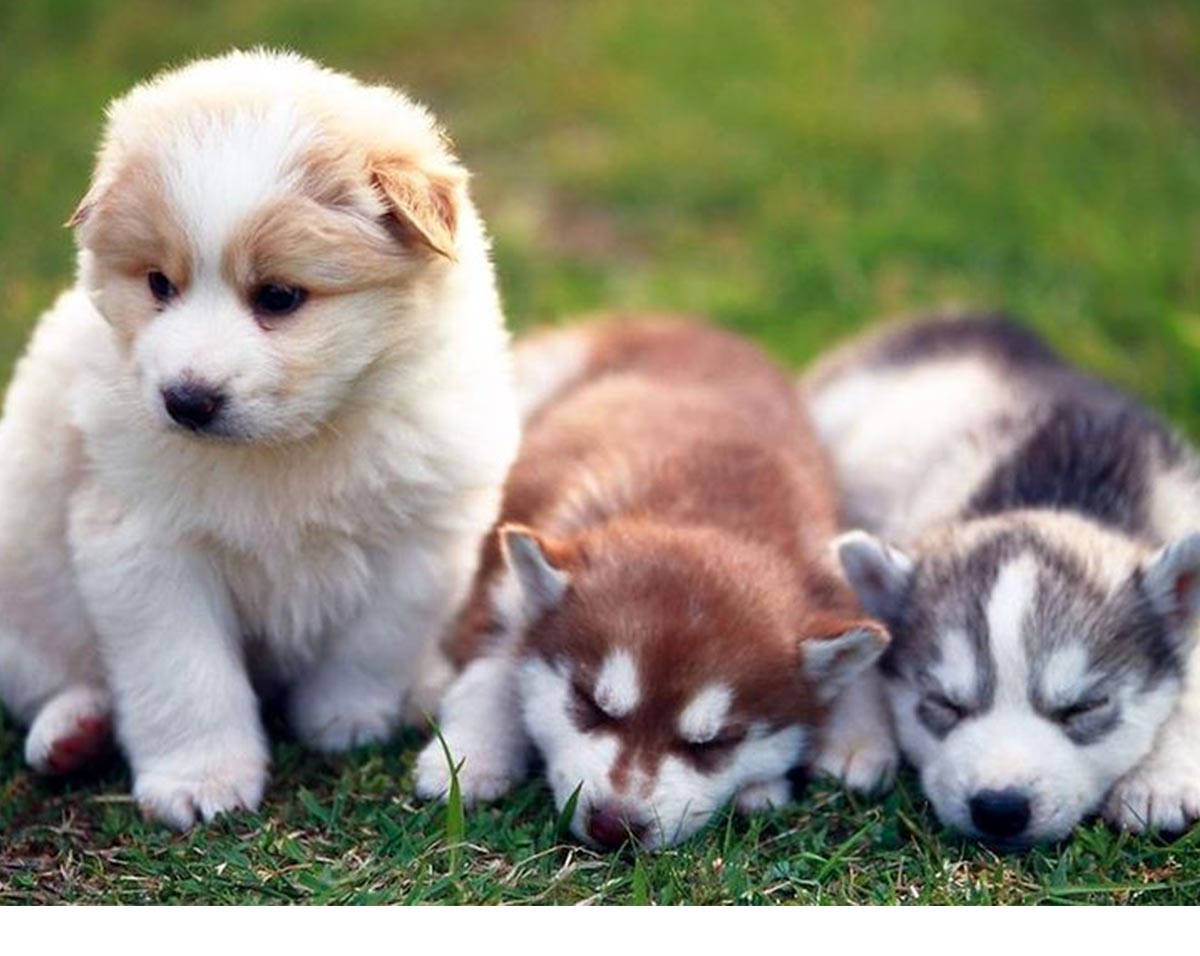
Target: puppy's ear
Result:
[[879, 573], [830, 662], [85, 207], [1171, 579], [538, 567], [423, 203]]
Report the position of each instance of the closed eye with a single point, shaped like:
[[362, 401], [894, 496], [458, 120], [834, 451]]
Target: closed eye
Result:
[[591, 716], [940, 713], [1080, 709], [723, 741]]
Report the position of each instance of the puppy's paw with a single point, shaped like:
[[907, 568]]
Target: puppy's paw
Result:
[[864, 763], [764, 795], [483, 773], [71, 731], [1158, 796], [183, 788], [332, 716]]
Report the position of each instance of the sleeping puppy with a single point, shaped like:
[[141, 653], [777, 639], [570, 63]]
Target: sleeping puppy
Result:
[[1037, 563], [260, 441], [659, 618]]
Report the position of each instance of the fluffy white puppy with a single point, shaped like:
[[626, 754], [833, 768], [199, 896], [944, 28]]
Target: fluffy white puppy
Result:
[[261, 441]]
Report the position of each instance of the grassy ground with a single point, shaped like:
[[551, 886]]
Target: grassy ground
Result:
[[792, 169]]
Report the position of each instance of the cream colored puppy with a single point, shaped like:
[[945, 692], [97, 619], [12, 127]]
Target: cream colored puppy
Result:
[[262, 439]]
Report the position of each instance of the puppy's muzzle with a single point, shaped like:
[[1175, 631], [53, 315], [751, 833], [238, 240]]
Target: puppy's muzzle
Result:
[[192, 405], [610, 827], [1000, 814]]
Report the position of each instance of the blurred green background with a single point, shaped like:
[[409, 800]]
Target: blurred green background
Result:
[[793, 169]]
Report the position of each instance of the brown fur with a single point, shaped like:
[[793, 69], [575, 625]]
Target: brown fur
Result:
[[678, 483]]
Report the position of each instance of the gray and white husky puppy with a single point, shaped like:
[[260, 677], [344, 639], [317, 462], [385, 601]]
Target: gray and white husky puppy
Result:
[[1030, 538]]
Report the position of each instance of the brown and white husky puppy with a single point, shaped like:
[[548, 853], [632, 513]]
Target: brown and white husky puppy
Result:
[[1039, 578], [658, 614]]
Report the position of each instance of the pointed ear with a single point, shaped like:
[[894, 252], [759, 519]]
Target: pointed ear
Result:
[[531, 560], [423, 203], [1171, 578], [879, 573], [831, 662]]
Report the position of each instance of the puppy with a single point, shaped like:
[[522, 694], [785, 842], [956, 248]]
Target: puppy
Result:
[[1039, 580], [262, 438], [658, 616]]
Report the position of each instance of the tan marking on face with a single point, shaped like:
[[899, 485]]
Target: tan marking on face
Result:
[[130, 227], [296, 241]]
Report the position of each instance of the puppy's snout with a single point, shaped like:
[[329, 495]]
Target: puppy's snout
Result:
[[609, 827], [1002, 814], [193, 405]]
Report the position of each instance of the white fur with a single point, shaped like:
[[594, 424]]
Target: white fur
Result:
[[545, 364], [858, 744], [706, 713], [330, 554], [481, 728], [1007, 608], [955, 672], [618, 690], [1063, 674], [883, 427], [676, 800]]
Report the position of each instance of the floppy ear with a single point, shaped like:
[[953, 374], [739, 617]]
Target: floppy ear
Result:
[[831, 662], [531, 561], [85, 207], [879, 573], [1171, 578], [422, 203]]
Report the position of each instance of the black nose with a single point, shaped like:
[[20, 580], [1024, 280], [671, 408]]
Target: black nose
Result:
[[1000, 813], [193, 406], [610, 828]]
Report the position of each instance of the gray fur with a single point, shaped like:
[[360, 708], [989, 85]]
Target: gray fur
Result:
[[970, 445]]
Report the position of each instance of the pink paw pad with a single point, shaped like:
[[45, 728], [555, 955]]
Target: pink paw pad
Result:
[[92, 739]]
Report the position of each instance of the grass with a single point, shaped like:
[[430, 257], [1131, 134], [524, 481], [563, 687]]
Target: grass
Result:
[[793, 170]]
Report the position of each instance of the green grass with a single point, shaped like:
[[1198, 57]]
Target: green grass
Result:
[[793, 170]]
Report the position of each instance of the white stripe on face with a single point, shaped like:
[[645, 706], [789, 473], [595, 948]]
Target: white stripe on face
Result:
[[1008, 606], [706, 714], [617, 692]]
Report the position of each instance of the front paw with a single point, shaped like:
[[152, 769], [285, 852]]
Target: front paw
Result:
[[864, 763], [182, 788], [483, 773], [71, 731], [332, 715], [764, 795], [1159, 796]]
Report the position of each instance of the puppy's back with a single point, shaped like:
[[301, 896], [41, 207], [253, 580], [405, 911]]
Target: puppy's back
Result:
[[667, 419]]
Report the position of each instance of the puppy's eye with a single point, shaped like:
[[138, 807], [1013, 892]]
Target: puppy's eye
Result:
[[591, 716], [941, 714], [726, 740], [277, 300], [162, 288], [1080, 709]]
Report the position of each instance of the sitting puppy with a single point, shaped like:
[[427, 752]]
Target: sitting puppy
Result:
[[659, 614], [1040, 580], [264, 437]]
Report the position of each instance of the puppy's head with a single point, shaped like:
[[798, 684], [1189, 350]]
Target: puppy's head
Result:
[[1034, 659], [663, 672], [264, 235]]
